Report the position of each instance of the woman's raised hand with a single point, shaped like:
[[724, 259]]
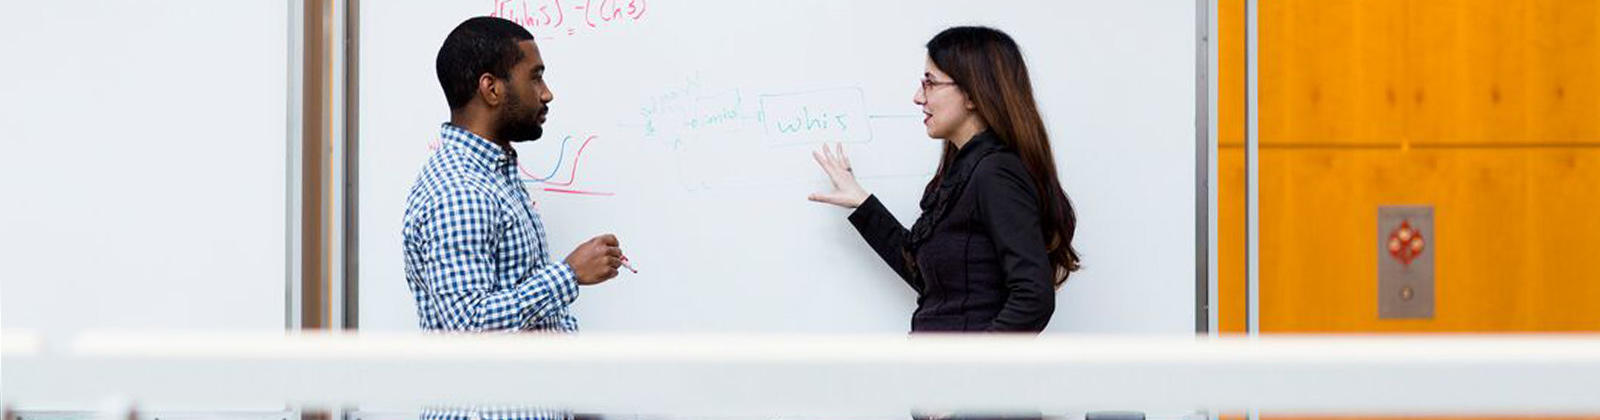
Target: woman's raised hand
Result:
[[846, 192]]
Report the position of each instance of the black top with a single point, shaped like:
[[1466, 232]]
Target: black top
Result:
[[980, 258]]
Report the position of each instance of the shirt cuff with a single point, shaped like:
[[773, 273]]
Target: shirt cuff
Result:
[[566, 287]]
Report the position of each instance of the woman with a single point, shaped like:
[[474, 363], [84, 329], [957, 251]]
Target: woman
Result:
[[994, 241]]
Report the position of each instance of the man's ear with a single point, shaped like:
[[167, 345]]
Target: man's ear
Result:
[[490, 89]]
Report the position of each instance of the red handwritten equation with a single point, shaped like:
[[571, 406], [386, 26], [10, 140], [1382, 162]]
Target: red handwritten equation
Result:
[[551, 18]]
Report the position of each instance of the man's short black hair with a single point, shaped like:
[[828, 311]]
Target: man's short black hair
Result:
[[479, 45]]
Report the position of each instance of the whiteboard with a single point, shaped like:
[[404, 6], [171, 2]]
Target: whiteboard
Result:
[[145, 165], [685, 127]]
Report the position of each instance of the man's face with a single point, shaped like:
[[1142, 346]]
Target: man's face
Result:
[[522, 116]]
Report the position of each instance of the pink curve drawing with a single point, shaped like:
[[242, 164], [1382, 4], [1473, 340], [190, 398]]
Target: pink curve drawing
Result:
[[572, 176], [580, 192]]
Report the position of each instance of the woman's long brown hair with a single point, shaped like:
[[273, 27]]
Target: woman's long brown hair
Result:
[[987, 65]]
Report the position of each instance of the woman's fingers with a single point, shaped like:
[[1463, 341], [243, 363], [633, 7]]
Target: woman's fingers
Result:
[[823, 161], [838, 159], [830, 163], [837, 165], [833, 199], [845, 158]]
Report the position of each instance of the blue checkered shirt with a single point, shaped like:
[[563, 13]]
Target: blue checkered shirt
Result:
[[476, 258]]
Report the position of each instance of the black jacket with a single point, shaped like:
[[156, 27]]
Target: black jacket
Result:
[[980, 258]]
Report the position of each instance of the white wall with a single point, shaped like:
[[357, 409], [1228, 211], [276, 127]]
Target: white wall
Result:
[[144, 165]]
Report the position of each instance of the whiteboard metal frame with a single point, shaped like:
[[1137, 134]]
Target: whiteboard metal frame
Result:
[[1204, 175], [1253, 167], [293, 167], [338, 156], [1211, 173], [350, 235]]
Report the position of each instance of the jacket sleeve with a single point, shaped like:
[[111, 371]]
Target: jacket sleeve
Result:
[[1008, 209], [886, 236]]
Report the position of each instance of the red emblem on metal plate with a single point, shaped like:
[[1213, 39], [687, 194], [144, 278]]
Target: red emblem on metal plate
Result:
[[1405, 243]]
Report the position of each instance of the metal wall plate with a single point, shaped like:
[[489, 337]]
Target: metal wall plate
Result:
[[1406, 244]]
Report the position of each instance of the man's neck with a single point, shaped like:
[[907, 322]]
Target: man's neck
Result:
[[481, 127]]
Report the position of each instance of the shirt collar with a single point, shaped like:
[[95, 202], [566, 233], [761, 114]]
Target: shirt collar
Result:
[[967, 158], [476, 147]]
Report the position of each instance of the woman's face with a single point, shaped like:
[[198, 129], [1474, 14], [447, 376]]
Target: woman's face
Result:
[[947, 113]]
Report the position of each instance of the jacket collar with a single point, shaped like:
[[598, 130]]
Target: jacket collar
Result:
[[968, 157]]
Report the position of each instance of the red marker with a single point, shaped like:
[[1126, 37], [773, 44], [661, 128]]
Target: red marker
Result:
[[628, 266]]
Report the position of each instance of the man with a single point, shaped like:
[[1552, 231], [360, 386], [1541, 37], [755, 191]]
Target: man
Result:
[[476, 258]]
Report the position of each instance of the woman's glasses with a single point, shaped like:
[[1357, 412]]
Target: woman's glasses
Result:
[[929, 83]]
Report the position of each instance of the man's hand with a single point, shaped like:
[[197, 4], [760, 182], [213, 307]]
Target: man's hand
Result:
[[597, 260]]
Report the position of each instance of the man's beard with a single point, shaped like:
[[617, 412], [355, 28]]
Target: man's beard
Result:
[[519, 123]]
